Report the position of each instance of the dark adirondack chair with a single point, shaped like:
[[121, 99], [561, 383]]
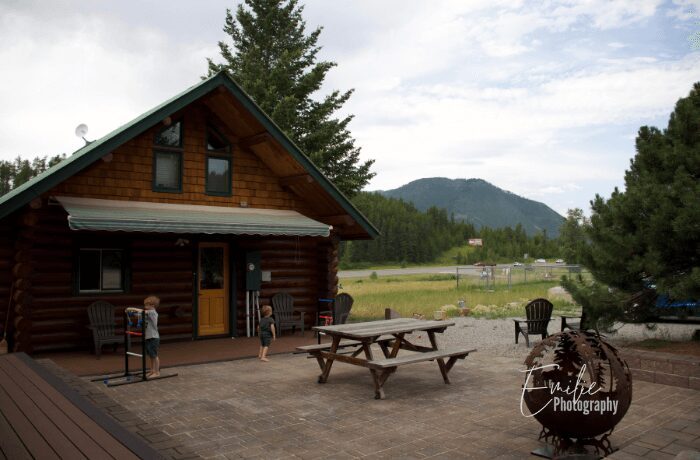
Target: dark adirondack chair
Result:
[[285, 315], [572, 322], [539, 313], [103, 326], [342, 306]]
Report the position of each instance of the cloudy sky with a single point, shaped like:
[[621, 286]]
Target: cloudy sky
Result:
[[541, 98]]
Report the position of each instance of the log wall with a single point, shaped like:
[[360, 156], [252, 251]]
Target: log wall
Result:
[[50, 315], [293, 263], [7, 262]]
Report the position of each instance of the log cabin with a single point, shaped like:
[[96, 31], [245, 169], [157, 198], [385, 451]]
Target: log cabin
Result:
[[201, 201]]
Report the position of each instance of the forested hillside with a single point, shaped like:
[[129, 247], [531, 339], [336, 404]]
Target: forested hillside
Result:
[[480, 203], [17, 172], [411, 236]]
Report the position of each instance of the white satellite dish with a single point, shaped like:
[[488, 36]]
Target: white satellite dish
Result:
[[81, 131]]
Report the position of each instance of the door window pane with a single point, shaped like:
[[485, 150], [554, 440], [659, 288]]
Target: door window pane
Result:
[[211, 268]]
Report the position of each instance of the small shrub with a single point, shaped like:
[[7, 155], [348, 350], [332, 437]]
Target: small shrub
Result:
[[373, 276], [450, 310]]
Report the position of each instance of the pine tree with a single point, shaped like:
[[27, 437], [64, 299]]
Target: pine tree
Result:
[[274, 61], [649, 234], [572, 236], [17, 172]]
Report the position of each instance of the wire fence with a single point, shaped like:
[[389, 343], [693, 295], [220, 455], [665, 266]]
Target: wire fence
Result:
[[491, 276]]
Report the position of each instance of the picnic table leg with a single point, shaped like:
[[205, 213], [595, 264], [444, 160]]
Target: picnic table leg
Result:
[[321, 362], [397, 345], [443, 370], [384, 348], [433, 340], [323, 378], [378, 378]]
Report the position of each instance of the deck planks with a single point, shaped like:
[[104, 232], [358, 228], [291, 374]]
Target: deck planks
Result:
[[41, 417]]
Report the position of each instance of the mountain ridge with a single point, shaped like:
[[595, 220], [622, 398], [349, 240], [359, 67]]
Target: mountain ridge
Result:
[[481, 203]]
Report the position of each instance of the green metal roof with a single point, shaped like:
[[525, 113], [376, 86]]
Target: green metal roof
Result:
[[138, 216], [92, 152]]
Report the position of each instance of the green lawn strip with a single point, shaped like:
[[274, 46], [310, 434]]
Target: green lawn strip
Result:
[[425, 294]]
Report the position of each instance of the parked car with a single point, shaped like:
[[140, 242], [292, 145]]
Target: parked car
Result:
[[560, 261], [479, 264], [517, 264], [540, 261]]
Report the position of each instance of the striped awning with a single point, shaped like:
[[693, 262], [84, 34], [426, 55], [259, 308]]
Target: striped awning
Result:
[[139, 216]]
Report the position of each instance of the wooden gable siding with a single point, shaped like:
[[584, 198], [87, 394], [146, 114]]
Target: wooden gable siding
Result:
[[128, 175]]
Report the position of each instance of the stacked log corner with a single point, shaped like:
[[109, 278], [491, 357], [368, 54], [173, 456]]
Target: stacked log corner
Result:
[[7, 264], [328, 260], [22, 278]]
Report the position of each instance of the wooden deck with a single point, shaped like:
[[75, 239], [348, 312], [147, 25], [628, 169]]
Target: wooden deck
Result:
[[42, 417]]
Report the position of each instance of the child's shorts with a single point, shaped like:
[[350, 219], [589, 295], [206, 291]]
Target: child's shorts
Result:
[[265, 339], [152, 346]]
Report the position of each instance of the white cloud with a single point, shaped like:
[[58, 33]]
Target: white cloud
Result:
[[537, 97], [83, 69], [685, 10]]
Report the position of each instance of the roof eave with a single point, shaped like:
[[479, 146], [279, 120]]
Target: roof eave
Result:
[[298, 155]]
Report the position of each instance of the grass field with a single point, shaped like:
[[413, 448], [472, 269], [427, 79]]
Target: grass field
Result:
[[425, 294]]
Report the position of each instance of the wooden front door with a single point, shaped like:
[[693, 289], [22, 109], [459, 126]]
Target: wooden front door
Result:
[[213, 289]]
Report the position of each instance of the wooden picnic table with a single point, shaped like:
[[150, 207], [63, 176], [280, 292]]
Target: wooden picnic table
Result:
[[390, 336]]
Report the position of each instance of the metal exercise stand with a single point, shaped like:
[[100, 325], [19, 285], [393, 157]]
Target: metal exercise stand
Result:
[[132, 377]]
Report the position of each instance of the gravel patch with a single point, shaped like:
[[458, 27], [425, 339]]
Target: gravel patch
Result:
[[496, 337]]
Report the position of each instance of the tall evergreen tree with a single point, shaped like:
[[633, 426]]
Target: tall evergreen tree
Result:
[[273, 58], [572, 236], [649, 234], [18, 171]]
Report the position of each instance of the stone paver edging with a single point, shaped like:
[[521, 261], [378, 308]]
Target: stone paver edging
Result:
[[664, 368]]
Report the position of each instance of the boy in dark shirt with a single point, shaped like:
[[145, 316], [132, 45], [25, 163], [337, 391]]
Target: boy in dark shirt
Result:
[[266, 331]]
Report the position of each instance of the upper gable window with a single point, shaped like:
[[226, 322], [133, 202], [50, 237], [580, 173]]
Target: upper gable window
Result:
[[216, 142], [167, 171], [167, 159], [170, 136], [218, 164]]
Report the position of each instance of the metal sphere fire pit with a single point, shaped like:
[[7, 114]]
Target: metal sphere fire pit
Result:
[[577, 387]]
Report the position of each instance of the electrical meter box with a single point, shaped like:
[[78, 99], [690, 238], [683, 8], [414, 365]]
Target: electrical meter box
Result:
[[253, 275]]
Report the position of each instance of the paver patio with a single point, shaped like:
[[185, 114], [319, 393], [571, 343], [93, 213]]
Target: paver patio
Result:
[[246, 409]]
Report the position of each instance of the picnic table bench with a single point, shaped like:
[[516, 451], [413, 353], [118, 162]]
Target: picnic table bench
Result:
[[390, 336]]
